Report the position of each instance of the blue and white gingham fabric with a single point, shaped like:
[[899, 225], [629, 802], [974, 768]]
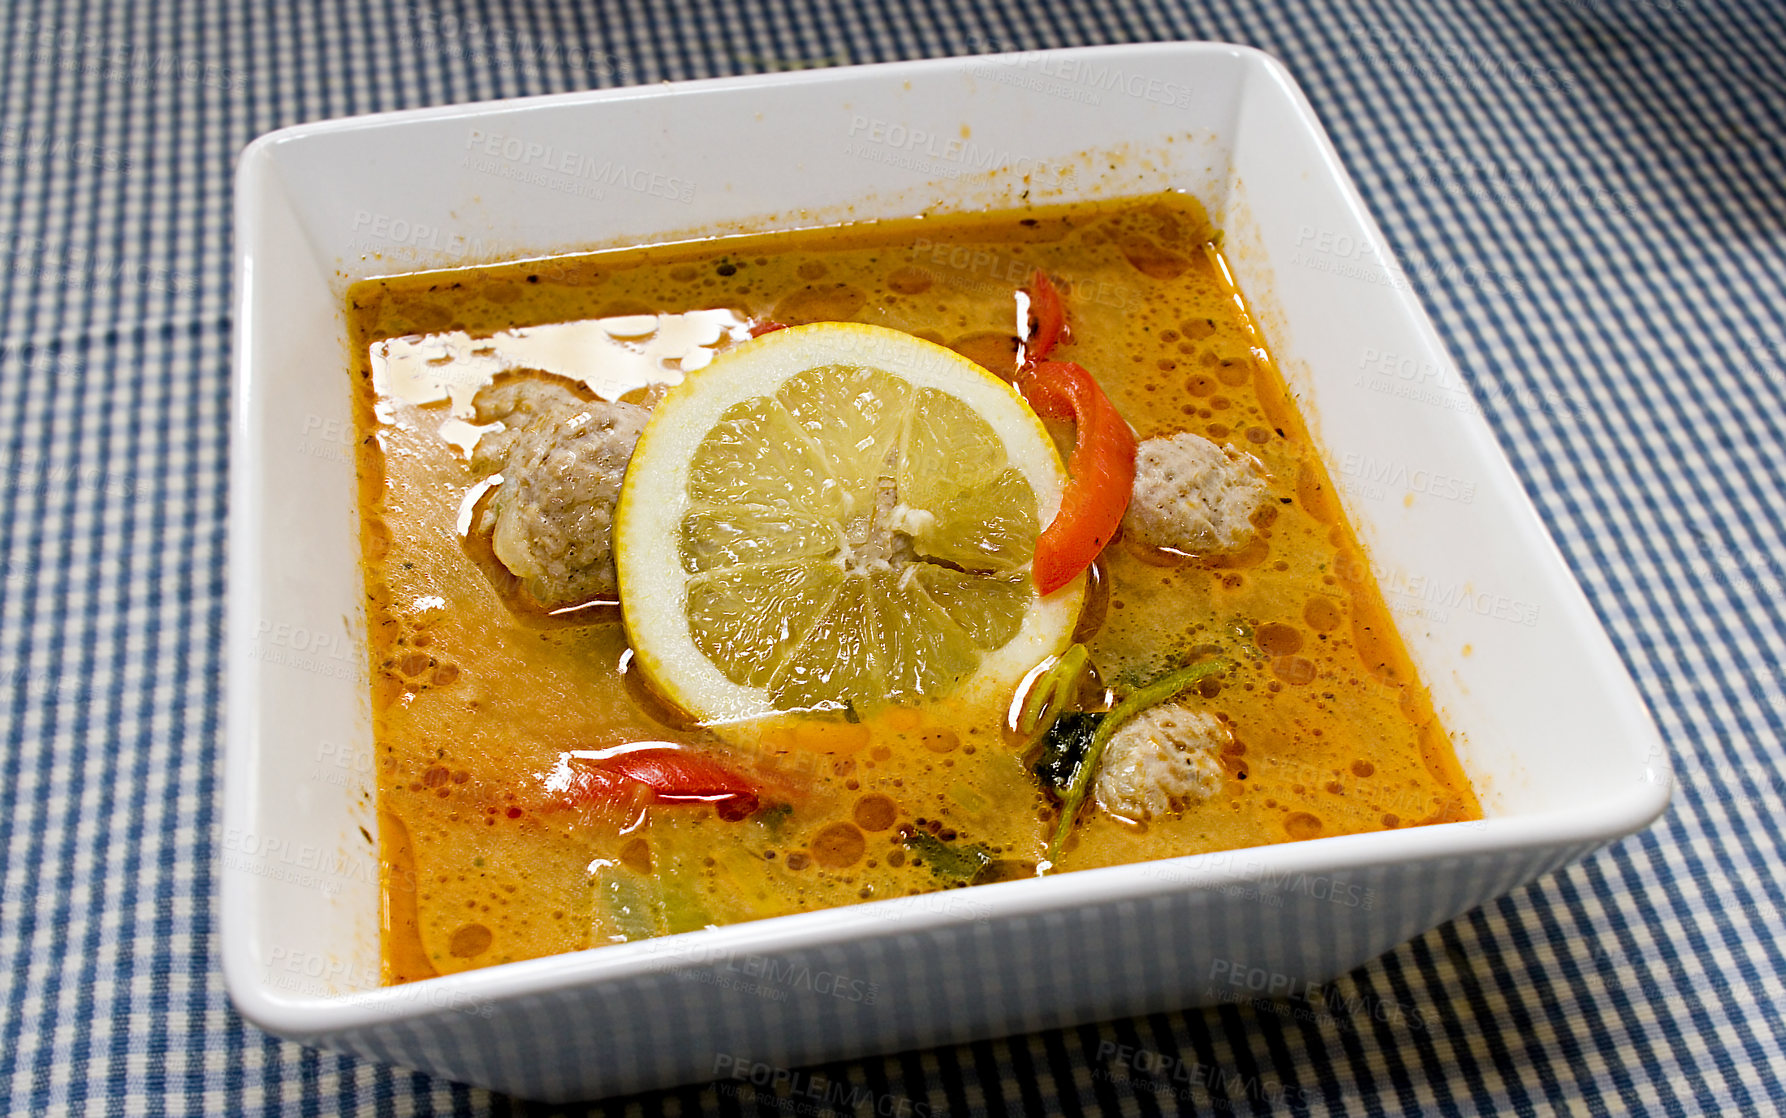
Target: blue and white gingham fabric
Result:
[[1588, 194]]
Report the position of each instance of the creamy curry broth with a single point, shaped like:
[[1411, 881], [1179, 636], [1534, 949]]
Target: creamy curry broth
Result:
[[477, 698]]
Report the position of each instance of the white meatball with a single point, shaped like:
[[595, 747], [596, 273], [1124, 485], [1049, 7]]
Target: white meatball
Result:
[[1193, 496], [1163, 759], [562, 460]]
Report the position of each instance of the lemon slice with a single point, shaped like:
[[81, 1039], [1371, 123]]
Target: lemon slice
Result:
[[837, 517]]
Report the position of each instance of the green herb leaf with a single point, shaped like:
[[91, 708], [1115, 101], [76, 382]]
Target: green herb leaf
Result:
[[963, 793], [677, 856], [1064, 748], [963, 864], [628, 906], [774, 819], [1054, 691]]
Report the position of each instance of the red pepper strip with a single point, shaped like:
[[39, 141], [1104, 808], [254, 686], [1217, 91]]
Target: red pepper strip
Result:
[[672, 775], [1051, 318], [1101, 471], [767, 326]]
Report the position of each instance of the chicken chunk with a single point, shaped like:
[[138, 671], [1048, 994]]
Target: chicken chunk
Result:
[[1162, 760], [1193, 496], [562, 459]]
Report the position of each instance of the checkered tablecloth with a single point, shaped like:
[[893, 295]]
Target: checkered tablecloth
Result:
[[1588, 196]]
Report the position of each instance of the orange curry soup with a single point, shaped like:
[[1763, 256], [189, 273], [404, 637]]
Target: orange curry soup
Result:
[[480, 696]]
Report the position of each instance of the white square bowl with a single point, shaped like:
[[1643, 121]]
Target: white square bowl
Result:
[[1548, 724]]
